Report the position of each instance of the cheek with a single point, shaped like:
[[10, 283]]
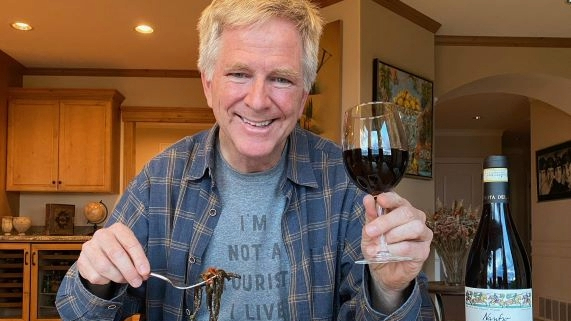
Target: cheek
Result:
[[291, 104]]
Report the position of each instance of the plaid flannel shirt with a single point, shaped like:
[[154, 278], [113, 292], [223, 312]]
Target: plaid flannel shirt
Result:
[[172, 207]]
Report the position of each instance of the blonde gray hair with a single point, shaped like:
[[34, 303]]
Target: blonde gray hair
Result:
[[221, 14]]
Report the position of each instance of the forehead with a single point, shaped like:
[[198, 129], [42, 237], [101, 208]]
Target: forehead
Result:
[[273, 37]]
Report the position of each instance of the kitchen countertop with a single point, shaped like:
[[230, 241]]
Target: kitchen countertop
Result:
[[45, 238]]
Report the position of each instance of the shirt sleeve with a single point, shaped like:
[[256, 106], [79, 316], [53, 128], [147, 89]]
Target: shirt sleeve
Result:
[[417, 307], [75, 302]]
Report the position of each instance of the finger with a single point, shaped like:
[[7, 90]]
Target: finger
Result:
[[391, 200], [370, 208], [93, 264], [131, 244], [125, 253], [87, 269], [398, 217]]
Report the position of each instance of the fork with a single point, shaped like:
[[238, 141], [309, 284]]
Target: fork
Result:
[[180, 286]]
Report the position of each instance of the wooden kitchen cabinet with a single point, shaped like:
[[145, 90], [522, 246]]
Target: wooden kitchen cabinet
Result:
[[63, 140], [30, 274]]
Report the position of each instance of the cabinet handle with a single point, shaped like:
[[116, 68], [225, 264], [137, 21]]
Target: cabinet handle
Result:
[[54, 182], [59, 182], [26, 254], [34, 258]]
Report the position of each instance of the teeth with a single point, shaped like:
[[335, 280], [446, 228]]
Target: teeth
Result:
[[257, 124]]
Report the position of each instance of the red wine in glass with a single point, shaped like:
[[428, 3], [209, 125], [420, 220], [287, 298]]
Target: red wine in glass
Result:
[[375, 155], [375, 171]]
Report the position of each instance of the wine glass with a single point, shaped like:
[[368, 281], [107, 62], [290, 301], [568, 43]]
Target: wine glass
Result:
[[375, 155]]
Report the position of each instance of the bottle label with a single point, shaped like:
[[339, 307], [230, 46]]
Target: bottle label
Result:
[[495, 175], [495, 185], [498, 305]]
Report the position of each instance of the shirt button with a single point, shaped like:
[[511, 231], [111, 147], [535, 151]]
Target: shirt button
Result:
[[212, 212], [112, 307], [192, 260], [187, 311]]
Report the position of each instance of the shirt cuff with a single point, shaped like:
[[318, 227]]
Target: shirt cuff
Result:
[[94, 307], [409, 310]]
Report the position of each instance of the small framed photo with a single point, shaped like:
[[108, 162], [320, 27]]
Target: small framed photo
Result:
[[59, 219], [554, 172]]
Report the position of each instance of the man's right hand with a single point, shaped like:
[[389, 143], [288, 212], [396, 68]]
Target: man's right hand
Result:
[[113, 254]]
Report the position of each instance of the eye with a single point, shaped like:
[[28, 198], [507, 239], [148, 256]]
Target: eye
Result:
[[238, 75], [282, 82]]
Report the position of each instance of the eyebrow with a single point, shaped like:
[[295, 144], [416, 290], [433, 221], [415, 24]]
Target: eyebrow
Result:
[[280, 72]]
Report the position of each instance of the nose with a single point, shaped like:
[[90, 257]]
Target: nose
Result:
[[257, 95]]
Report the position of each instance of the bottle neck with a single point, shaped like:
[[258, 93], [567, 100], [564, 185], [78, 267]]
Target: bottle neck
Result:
[[496, 186], [496, 199]]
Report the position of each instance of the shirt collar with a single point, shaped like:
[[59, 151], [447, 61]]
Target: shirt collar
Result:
[[299, 167]]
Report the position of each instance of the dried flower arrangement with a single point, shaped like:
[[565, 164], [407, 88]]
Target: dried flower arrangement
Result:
[[454, 229]]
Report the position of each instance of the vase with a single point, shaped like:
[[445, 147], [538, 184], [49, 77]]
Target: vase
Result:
[[454, 265], [22, 224], [7, 225]]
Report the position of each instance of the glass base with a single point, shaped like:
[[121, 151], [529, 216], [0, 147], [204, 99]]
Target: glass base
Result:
[[384, 257]]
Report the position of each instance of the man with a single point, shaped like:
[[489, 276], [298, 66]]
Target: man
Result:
[[558, 184], [257, 196], [544, 179]]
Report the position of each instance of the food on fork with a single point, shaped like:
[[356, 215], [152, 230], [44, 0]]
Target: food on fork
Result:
[[214, 289]]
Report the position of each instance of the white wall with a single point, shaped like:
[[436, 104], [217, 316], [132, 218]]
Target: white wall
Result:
[[543, 74], [551, 240]]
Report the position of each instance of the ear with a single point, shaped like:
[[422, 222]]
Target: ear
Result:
[[207, 87]]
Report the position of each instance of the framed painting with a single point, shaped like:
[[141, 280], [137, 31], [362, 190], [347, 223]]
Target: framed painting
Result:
[[414, 96], [553, 170]]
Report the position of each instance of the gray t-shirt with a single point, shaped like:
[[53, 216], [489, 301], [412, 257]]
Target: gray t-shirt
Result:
[[248, 241]]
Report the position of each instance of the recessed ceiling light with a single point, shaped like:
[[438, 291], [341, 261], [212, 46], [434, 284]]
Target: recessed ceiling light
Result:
[[144, 29], [476, 117], [18, 25]]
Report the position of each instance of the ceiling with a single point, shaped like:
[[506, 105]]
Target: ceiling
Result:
[[99, 34]]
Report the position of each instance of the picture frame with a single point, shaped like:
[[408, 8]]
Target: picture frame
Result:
[[60, 219], [414, 97], [553, 172]]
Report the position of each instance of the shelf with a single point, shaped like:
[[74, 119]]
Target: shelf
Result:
[[60, 256], [11, 275], [55, 267], [11, 285], [11, 294], [11, 305], [11, 265], [10, 255]]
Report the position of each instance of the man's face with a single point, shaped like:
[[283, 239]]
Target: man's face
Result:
[[543, 173], [256, 92], [558, 174], [550, 172]]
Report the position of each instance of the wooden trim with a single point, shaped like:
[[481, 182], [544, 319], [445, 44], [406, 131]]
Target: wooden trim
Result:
[[411, 14], [325, 3], [65, 93], [167, 114], [129, 153], [102, 72], [131, 115], [488, 41]]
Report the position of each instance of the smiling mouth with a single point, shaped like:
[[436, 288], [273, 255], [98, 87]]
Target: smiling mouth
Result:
[[264, 123]]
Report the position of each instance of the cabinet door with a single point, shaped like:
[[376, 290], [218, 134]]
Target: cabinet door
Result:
[[85, 145], [49, 263], [32, 145], [14, 281]]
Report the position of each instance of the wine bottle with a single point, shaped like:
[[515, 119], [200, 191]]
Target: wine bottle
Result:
[[498, 275]]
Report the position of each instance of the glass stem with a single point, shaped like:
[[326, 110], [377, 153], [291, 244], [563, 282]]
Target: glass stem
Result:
[[384, 247]]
